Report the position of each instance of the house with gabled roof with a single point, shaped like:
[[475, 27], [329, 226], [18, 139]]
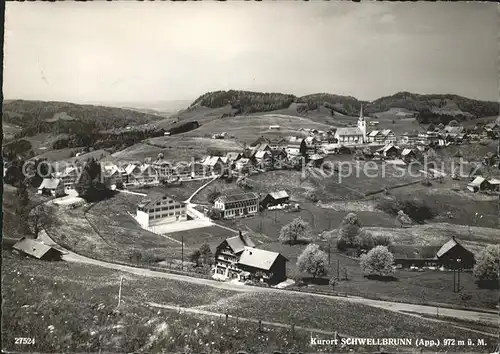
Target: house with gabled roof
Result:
[[51, 186], [37, 249], [69, 176], [275, 198], [227, 255], [389, 150], [237, 205], [214, 165], [237, 258], [269, 266], [160, 208], [454, 254], [479, 183]]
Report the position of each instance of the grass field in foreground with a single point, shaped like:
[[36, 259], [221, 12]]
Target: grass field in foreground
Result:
[[342, 316], [74, 310]]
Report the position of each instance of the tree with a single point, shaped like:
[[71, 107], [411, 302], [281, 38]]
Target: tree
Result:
[[332, 282], [364, 240], [22, 199], [298, 230], [348, 230], [214, 214], [311, 195], [206, 253], [214, 194], [487, 266], [453, 123], [195, 257], [377, 261], [403, 219], [313, 261], [40, 218]]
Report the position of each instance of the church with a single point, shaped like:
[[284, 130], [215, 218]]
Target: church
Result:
[[354, 135]]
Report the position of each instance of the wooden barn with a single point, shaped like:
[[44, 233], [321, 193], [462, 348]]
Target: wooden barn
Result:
[[452, 254], [37, 249], [275, 198]]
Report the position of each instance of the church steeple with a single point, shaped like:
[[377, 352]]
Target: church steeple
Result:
[[362, 124]]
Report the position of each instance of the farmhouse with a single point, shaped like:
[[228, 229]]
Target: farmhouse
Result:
[[479, 183], [390, 150], [213, 164], [37, 249], [69, 176], [52, 186], [409, 138], [159, 208], [113, 174], [227, 255], [259, 141], [263, 157], [266, 265], [296, 143], [316, 160], [164, 168], [278, 144], [275, 198], [233, 156], [311, 143], [452, 254], [408, 155], [238, 204], [243, 165]]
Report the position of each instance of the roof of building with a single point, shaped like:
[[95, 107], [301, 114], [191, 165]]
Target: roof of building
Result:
[[386, 132], [211, 160], [316, 157], [233, 155], [447, 247], [453, 130], [477, 181], [50, 183], [349, 131], [130, 168], [388, 147], [373, 133], [239, 242], [310, 140], [494, 181], [238, 197], [279, 195], [243, 161], [406, 152], [155, 195], [261, 154], [295, 140], [32, 247], [258, 258]]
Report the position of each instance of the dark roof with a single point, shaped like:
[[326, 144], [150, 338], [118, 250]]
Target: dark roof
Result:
[[239, 242], [33, 248], [238, 197], [155, 195], [449, 246]]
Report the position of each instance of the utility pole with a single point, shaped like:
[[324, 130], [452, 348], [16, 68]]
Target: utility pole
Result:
[[182, 252], [454, 278], [328, 253], [338, 269], [120, 292], [459, 269]]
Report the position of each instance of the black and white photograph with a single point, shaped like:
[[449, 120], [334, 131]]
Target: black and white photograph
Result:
[[250, 177]]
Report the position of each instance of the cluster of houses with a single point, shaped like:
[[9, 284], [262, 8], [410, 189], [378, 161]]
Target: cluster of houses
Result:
[[484, 184]]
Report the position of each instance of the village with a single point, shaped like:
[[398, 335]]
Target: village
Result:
[[238, 177], [238, 257]]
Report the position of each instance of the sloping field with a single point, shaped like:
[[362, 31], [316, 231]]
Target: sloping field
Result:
[[175, 148], [249, 128]]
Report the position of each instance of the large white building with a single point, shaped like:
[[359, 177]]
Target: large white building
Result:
[[236, 205], [160, 208]]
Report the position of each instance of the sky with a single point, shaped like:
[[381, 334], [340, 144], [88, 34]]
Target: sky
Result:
[[153, 51]]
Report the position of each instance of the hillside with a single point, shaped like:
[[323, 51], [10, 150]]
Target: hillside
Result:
[[25, 114], [445, 104], [328, 108]]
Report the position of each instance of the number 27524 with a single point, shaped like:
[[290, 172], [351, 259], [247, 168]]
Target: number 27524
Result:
[[24, 341]]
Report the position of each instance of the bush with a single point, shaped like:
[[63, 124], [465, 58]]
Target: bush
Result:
[[487, 267], [214, 214], [382, 240], [311, 195], [364, 240], [214, 194], [415, 208]]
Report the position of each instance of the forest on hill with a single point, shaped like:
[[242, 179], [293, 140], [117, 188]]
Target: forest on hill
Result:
[[433, 106]]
